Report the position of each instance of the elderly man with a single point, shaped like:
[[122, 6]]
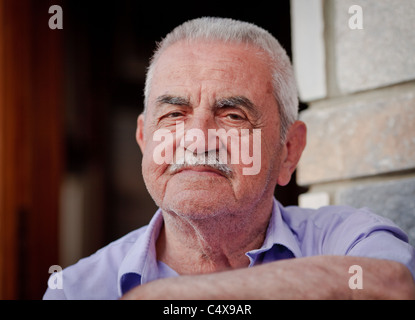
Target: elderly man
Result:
[[219, 91]]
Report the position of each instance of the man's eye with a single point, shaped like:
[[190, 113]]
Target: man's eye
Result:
[[174, 115], [234, 116]]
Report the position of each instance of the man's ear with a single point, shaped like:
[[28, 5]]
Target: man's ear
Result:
[[293, 148], [139, 134]]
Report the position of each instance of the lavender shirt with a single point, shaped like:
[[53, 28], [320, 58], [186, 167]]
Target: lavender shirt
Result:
[[293, 232]]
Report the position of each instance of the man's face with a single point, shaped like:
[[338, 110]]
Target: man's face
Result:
[[211, 85]]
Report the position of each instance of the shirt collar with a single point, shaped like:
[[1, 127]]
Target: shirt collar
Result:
[[279, 236], [140, 264]]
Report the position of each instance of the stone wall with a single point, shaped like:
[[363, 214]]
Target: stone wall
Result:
[[355, 65]]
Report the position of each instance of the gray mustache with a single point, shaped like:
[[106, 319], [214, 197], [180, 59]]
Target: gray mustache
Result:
[[207, 159]]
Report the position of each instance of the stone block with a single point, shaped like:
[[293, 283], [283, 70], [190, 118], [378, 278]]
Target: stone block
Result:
[[394, 199], [314, 200], [380, 54], [363, 135]]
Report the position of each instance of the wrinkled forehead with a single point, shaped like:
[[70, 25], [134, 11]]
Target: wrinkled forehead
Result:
[[213, 64]]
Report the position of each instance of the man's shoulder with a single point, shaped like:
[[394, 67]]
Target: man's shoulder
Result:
[[97, 274], [122, 245], [326, 215], [335, 229], [114, 252]]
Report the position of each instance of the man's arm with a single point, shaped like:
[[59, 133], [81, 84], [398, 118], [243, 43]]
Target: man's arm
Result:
[[318, 277]]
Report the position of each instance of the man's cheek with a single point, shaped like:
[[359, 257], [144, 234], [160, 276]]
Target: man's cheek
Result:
[[162, 147], [251, 152]]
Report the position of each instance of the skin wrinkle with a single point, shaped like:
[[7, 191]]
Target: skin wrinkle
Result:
[[221, 103], [266, 50], [208, 252]]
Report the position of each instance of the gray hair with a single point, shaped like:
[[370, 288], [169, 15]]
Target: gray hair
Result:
[[229, 30]]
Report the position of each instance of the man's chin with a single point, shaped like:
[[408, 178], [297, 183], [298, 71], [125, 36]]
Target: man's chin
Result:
[[199, 205]]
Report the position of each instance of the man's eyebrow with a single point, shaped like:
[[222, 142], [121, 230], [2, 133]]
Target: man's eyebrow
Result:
[[174, 100], [237, 101], [233, 101]]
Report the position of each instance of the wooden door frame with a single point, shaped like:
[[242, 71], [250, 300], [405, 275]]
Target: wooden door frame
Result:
[[31, 146]]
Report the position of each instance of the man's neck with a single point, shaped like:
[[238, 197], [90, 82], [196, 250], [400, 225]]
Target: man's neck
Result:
[[213, 244]]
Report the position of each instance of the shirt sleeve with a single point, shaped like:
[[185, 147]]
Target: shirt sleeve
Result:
[[385, 245], [365, 234]]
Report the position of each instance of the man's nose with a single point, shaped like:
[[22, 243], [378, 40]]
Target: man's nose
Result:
[[197, 138]]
